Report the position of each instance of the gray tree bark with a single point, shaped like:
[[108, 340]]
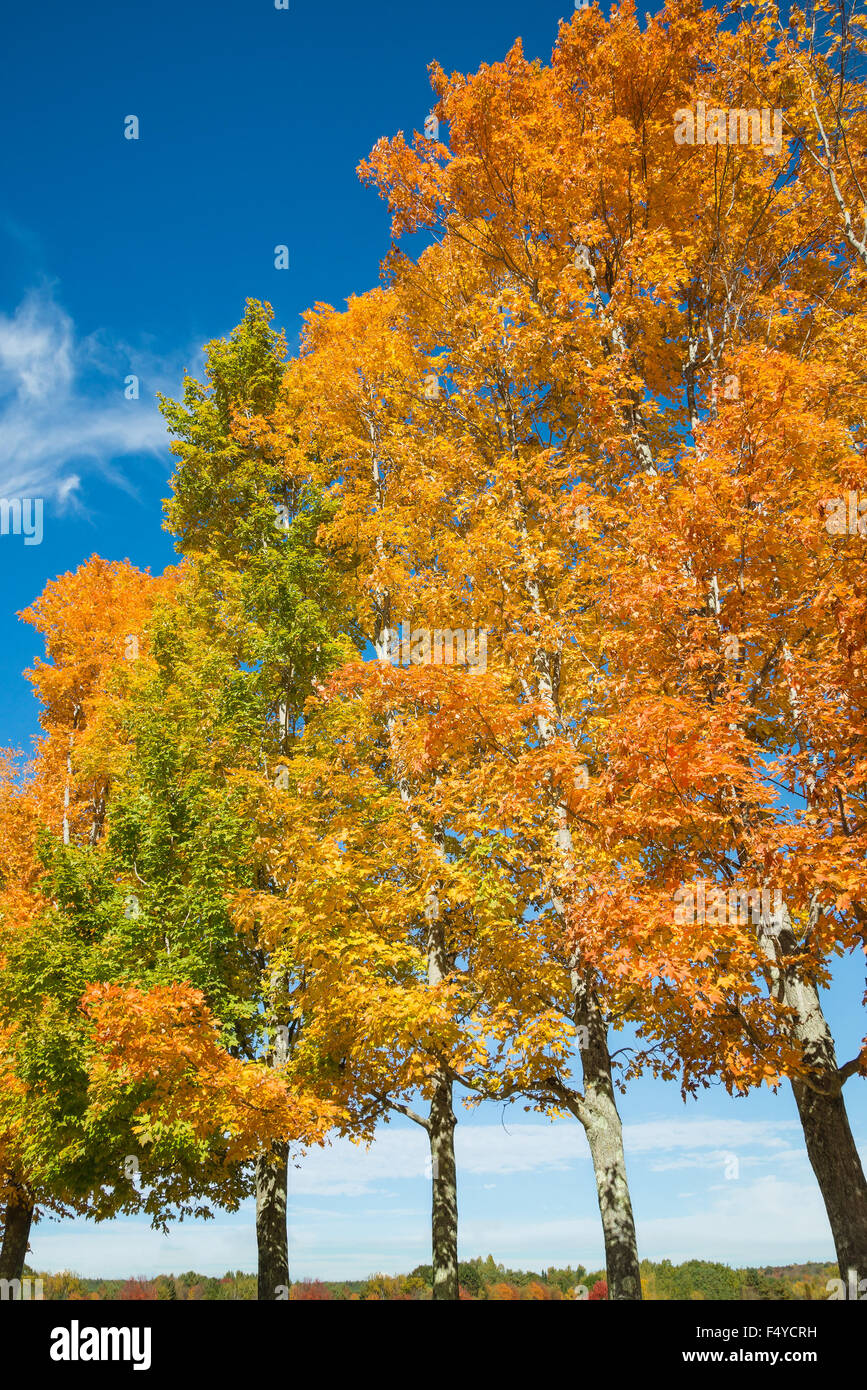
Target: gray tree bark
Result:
[[819, 1097], [601, 1120], [444, 1187], [837, 1166], [272, 1176], [597, 1108], [17, 1220]]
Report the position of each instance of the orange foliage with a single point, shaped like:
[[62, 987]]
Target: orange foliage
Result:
[[166, 1038]]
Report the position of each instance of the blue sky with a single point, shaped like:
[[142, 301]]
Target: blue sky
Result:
[[122, 257]]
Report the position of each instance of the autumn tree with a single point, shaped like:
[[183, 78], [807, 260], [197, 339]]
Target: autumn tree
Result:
[[130, 1097], [409, 938], [630, 264], [736, 737], [50, 1160], [262, 617]]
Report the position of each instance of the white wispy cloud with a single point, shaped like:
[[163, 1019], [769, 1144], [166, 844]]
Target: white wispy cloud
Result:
[[542, 1209], [663, 1136], [119, 1249], [768, 1221], [63, 413], [347, 1169]]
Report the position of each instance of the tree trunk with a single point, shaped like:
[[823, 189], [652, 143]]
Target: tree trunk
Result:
[[840, 1176], [598, 1110], [444, 1186], [604, 1132], [17, 1221], [830, 1146], [272, 1175]]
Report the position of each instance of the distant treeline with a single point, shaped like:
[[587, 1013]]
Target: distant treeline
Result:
[[479, 1280]]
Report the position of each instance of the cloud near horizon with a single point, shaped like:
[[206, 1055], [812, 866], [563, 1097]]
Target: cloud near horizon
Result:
[[540, 1210]]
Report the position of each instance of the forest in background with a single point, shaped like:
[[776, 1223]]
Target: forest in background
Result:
[[479, 1279]]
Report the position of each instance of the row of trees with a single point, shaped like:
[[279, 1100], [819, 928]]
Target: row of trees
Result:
[[478, 1279], [482, 1279], [258, 887]]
